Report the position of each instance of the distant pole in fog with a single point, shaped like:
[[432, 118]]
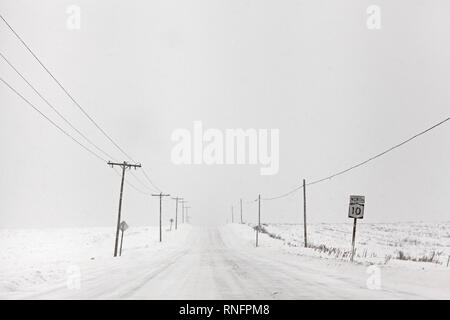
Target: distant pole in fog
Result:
[[176, 211], [240, 202], [160, 195], [182, 209], [187, 214]]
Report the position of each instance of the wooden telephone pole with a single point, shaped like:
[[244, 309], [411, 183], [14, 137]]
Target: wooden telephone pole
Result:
[[304, 213], [182, 209], [160, 195], [124, 166], [176, 210], [232, 214], [259, 218], [240, 201], [187, 215]]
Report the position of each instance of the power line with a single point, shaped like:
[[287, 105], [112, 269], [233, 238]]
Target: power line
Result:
[[381, 153], [363, 162], [141, 182], [131, 185], [65, 90], [60, 128], [284, 194], [149, 180], [51, 121], [54, 109], [76, 103], [68, 122]]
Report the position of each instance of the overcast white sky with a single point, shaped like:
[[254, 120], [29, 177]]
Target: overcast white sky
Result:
[[337, 91]]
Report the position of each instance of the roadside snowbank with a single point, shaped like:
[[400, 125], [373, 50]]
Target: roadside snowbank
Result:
[[397, 279], [37, 257], [417, 245]]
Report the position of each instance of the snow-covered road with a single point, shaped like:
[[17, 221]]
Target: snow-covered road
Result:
[[219, 263]]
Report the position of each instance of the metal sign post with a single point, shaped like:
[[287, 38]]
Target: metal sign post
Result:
[[123, 227], [355, 211]]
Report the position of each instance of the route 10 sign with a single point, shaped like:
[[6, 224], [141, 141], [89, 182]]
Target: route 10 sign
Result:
[[356, 207]]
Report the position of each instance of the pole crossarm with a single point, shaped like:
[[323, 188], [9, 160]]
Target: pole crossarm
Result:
[[160, 195], [125, 164]]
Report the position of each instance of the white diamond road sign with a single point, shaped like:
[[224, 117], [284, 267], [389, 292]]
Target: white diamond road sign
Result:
[[123, 226]]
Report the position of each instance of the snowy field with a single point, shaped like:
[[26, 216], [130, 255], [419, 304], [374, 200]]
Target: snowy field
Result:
[[222, 263], [32, 258], [424, 245]]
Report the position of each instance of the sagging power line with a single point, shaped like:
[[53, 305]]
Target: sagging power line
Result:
[[303, 186], [360, 163]]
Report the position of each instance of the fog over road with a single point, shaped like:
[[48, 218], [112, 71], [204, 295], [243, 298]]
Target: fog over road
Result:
[[220, 263]]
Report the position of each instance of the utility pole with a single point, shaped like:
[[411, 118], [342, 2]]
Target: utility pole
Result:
[[232, 214], [187, 215], [240, 201], [124, 166], [176, 210], [259, 218], [304, 213], [160, 195], [182, 209]]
